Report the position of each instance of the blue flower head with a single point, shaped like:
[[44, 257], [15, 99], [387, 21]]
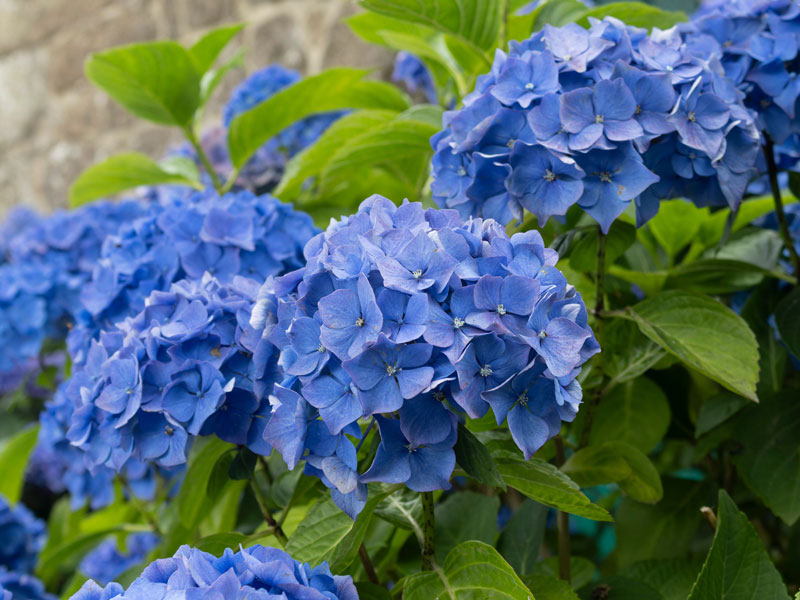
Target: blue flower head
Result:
[[22, 535], [427, 317], [252, 573], [557, 102], [21, 586], [106, 562]]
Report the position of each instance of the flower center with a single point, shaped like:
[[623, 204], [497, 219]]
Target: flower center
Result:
[[549, 175], [439, 396], [321, 349], [605, 176], [765, 103], [691, 116], [668, 69], [129, 391], [391, 369], [523, 398], [458, 322], [542, 334], [486, 370], [568, 57], [727, 44], [599, 118], [638, 110], [501, 310], [417, 273], [169, 430], [510, 143], [692, 155], [360, 322], [461, 171], [529, 86]]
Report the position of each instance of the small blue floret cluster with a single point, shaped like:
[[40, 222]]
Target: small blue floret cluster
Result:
[[106, 562], [256, 573], [417, 318], [22, 537], [597, 117]]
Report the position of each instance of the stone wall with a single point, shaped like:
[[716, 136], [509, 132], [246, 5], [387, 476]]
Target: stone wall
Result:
[[53, 123]]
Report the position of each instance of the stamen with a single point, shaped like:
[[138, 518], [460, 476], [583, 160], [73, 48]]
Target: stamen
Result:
[[486, 370]]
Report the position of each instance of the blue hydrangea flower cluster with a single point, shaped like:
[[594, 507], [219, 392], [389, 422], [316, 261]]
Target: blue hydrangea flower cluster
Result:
[[257, 573], [45, 263], [21, 586], [757, 44], [415, 75], [106, 562], [180, 368], [417, 318], [22, 537], [597, 117], [180, 238]]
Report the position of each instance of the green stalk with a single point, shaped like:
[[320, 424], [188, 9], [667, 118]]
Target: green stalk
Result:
[[190, 135], [428, 547], [563, 522], [772, 170]]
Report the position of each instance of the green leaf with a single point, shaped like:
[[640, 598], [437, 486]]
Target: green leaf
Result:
[[320, 532], [769, 461], [124, 172], [212, 78], [334, 89], [636, 14], [546, 484], [206, 50], [627, 352], [402, 509], [217, 543], [674, 227], [157, 81], [191, 502], [371, 591], [715, 276], [636, 412], [475, 21], [672, 578], [616, 462], [64, 558], [14, 460], [547, 587], [310, 161], [474, 458], [385, 143], [670, 524], [581, 569], [243, 464], [758, 310], [471, 571], [787, 320], [523, 535], [705, 335], [452, 528], [737, 564], [716, 410], [347, 549]]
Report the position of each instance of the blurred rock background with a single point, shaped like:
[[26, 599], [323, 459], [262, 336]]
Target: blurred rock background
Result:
[[54, 123]]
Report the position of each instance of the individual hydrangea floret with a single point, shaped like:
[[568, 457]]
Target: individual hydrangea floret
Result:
[[417, 320], [21, 586], [588, 116], [256, 573], [22, 537]]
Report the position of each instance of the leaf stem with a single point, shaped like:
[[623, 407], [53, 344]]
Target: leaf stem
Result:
[[428, 538], [366, 562], [190, 135], [772, 170], [563, 522], [148, 516], [231, 180], [274, 526]]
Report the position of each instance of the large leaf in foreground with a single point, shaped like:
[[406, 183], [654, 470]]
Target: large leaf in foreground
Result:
[[544, 483], [13, 460], [737, 564], [704, 334], [471, 571]]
